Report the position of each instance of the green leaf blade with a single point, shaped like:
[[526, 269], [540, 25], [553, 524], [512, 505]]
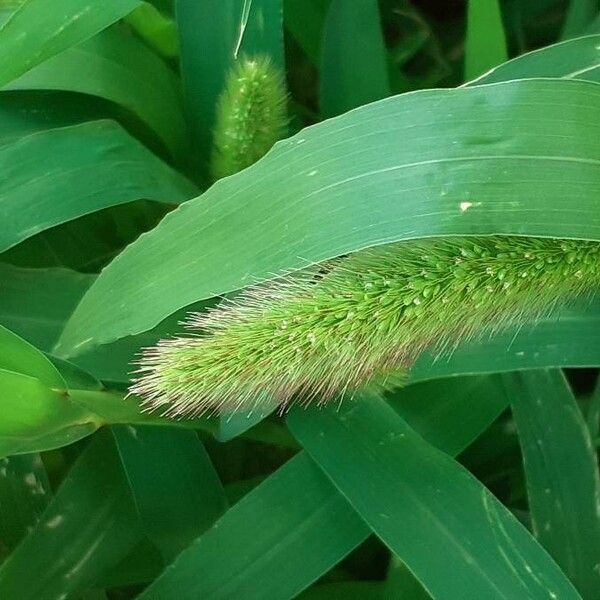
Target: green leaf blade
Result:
[[57, 175], [117, 67], [20, 357], [36, 303], [24, 494], [279, 538], [354, 60], [471, 545], [89, 526], [38, 30], [561, 469], [403, 183], [486, 40], [176, 490]]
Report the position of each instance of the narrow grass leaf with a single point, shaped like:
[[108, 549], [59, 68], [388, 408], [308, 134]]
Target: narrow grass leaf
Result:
[[465, 405], [593, 415], [19, 356], [401, 583], [305, 19], [40, 29], [25, 112], [348, 590], [176, 491], [24, 494], [485, 45], [75, 378], [115, 66], [273, 543], [561, 468], [57, 175], [142, 564], [155, 28], [580, 15], [505, 161], [89, 527], [235, 423], [594, 26], [36, 303], [299, 487], [354, 67], [434, 515], [573, 59]]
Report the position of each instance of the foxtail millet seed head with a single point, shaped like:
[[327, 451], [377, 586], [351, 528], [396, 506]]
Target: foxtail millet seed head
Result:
[[361, 319], [251, 115]]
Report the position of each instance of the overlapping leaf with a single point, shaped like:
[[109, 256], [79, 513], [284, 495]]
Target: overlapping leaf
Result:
[[57, 175], [487, 159]]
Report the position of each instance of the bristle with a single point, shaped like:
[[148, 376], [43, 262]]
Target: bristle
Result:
[[251, 115], [364, 319]]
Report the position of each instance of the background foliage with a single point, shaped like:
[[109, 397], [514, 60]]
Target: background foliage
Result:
[[478, 480]]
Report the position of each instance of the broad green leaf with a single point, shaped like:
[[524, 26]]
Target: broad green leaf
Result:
[[58, 175], [176, 491], [561, 468], [36, 303], [354, 60], [273, 543], [451, 532], [36, 418], [580, 14], [22, 358], [485, 46], [24, 494], [573, 59], [39, 29], [117, 67], [212, 35], [486, 159], [89, 527]]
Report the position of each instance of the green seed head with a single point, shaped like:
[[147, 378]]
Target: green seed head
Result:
[[251, 115], [360, 320]]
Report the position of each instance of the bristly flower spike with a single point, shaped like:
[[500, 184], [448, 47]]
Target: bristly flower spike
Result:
[[251, 115], [360, 320]]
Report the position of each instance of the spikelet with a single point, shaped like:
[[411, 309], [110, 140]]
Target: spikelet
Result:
[[325, 332], [251, 115]]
